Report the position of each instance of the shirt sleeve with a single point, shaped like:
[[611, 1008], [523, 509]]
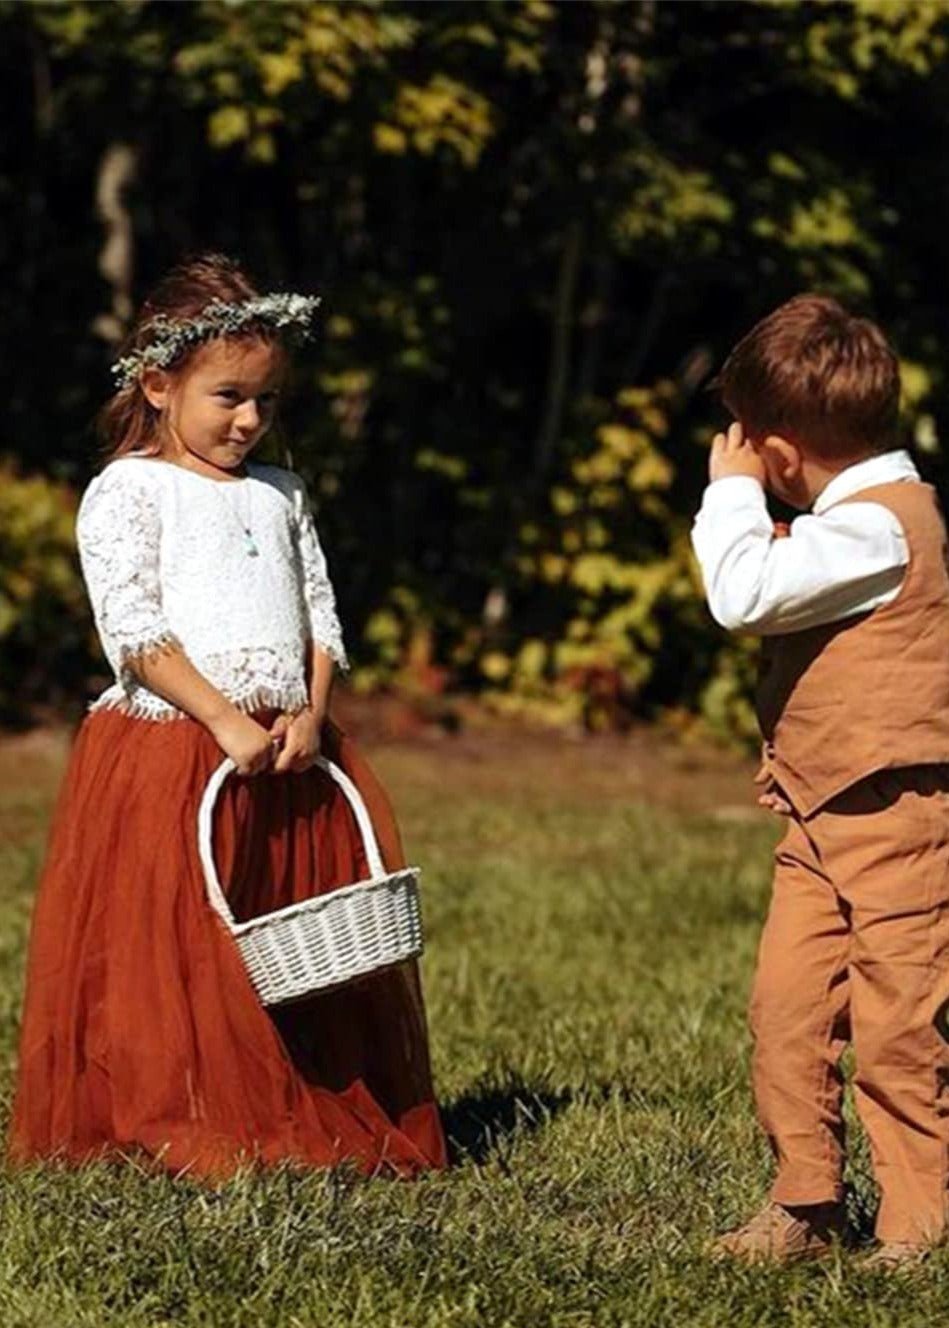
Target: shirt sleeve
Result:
[[118, 532], [318, 595], [849, 560]]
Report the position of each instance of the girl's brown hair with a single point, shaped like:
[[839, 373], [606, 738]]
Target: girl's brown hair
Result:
[[817, 374], [127, 422]]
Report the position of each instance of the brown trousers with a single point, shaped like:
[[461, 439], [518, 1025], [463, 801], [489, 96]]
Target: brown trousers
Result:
[[856, 949]]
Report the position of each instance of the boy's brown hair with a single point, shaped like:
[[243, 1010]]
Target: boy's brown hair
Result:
[[817, 375]]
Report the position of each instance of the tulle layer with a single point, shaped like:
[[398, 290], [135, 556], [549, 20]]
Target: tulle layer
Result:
[[141, 1031]]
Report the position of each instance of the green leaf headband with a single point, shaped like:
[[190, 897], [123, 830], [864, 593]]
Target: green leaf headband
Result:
[[168, 337]]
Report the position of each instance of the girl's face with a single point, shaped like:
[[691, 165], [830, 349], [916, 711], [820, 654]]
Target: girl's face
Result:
[[215, 412]]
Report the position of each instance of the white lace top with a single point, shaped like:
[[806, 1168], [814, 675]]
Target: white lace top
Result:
[[231, 571]]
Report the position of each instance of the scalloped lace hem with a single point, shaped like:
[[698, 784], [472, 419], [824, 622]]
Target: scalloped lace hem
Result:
[[142, 647], [142, 704]]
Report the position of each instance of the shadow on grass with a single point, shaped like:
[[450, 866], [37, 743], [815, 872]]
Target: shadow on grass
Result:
[[479, 1123]]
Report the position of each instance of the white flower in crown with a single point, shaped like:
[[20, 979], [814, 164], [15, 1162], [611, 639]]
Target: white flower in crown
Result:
[[168, 337]]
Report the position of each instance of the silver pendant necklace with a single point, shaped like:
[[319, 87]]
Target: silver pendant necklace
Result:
[[250, 544]]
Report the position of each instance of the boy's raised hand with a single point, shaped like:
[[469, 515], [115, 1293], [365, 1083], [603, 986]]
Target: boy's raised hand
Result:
[[733, 454]]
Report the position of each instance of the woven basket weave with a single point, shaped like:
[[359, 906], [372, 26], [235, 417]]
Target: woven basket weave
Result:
[[330, 939]]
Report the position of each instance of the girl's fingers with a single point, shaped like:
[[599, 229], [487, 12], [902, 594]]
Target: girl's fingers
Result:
[[735, 435], [302, 761], [293, 761]]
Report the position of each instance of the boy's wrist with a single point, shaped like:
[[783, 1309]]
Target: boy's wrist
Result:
[[729, 480], [730, 491]]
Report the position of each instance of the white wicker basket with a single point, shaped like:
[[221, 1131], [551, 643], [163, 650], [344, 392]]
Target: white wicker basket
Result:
[[330, 939]]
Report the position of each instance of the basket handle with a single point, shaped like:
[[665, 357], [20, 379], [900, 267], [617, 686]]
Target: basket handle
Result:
[[206, 825]]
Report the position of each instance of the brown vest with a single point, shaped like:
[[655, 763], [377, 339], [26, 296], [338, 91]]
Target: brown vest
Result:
[[836, 703]]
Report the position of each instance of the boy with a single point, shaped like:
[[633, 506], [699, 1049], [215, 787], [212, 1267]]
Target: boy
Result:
[[853, 705]]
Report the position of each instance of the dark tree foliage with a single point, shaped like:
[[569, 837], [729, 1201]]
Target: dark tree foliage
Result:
[[536, 228]]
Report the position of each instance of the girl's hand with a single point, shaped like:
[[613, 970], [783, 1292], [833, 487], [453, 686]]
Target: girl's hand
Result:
[[733, 454], [246, 742], [299, 736]]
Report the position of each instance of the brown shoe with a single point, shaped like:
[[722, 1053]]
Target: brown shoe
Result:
[[785, 1234], [896, 1256]]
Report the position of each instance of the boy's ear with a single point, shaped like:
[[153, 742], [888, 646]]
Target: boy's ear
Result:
[[784, 455], [156, 387]]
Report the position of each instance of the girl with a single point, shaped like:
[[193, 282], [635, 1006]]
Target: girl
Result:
[[141, 1030]]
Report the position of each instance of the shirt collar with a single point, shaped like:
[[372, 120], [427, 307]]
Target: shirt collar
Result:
[[887, 468]]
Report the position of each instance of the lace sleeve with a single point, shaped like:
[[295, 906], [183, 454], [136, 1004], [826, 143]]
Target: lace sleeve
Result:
[[318, 594], [118, 533]]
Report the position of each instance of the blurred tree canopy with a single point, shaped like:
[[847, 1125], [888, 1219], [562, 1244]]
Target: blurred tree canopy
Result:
[[537, 228]]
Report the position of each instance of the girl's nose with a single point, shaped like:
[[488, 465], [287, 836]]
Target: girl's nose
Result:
[[247, 417]]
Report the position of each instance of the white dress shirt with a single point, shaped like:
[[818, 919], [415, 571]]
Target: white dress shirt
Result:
[[834, 564]]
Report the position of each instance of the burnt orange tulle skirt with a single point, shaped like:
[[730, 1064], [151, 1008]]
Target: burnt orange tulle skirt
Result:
[[141, 1031]]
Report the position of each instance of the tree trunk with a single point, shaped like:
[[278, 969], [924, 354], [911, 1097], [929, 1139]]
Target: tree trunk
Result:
[[594, 320], [116, 258], [559, 364]]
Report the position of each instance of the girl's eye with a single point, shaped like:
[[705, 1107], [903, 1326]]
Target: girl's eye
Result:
[[229, 394]]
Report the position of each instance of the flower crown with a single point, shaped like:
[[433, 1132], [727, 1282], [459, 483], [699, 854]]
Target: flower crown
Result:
[[168, 337]]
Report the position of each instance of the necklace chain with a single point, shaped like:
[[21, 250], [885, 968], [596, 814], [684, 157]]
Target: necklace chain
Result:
[[250, 544]]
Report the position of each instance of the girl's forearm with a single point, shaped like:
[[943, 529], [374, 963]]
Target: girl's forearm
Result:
[[171, 675], [320, 671]]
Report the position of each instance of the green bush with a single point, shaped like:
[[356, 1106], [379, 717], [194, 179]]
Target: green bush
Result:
[[45, 636], [597, 613]]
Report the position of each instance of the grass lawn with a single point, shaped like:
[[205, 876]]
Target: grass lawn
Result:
[[592, 913]]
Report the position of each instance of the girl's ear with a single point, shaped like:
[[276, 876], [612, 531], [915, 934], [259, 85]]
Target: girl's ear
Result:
[[156, 387]]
